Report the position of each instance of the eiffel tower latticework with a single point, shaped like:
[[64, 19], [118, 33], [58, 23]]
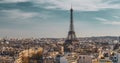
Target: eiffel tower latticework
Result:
[[71, 40], [71, 34]]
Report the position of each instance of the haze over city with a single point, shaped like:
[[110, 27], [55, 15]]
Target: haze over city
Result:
[[59, 31], [43, 18]]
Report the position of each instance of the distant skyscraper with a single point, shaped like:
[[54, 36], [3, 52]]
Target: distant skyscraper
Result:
[[71, 38]]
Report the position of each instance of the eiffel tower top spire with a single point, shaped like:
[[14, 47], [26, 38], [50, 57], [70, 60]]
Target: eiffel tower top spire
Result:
[[71, 20]]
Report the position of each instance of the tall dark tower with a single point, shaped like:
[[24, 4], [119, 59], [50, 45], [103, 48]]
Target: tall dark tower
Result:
[[71, 34], [71, 40]]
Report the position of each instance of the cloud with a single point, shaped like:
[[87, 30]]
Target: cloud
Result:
[[116, 17], [17, 15], [112, 22], [12, 1], [106, 21], [101, 19], [82, 5]]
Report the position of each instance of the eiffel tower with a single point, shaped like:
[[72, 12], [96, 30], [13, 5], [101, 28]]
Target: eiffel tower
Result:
[[71, 38], [71, 34]]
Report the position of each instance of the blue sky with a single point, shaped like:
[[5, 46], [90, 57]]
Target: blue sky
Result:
[[50, 18]]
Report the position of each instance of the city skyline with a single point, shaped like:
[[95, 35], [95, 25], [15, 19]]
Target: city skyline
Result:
[[42, 18]]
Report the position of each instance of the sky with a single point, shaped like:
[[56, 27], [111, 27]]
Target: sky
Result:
[[51, 18]]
